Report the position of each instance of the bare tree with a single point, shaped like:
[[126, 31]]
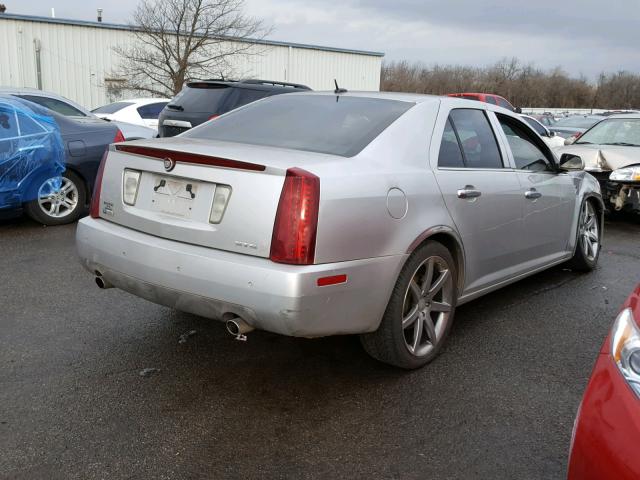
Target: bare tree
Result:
[[523, 85], [180, 40]]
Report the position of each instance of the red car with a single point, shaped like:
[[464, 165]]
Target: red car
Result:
[[606, 435], [487, 98]]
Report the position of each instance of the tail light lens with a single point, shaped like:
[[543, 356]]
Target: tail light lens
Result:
[[215, 115], [294, 231], [94, 211], [119, 137], [130, 181]]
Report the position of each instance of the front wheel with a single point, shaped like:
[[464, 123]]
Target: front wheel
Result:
[[585, 257], [420, 312], [60, 200]]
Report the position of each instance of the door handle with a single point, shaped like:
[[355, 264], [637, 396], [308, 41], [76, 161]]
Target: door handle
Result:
[[532, 194], [469, 191]]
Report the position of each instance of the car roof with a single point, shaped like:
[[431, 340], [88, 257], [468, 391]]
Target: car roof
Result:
[[417, 98], [43, 93], [252, 83], [140, 101]]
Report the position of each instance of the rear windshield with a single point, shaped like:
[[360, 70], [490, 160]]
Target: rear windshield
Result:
[[200, 98], [112, 107], [315, 123]]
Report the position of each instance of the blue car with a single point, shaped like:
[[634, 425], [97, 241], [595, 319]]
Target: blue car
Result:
[[48, 162]]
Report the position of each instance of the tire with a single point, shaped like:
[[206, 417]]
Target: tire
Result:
[[588, 239], [396, 345], [60, 200]]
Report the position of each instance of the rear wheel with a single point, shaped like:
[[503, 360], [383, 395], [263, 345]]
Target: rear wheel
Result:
[[585, 257], [420, 312], [60, 200]]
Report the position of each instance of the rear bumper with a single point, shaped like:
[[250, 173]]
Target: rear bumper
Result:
[[283, 299]]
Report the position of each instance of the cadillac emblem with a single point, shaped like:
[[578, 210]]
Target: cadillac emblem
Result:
[[169, 163]]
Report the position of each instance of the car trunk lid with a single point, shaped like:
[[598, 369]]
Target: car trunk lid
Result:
[[179, 182]]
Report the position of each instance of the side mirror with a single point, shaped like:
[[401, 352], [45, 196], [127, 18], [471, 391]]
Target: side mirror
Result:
[[551, 133], [518, 110], [571, 163]]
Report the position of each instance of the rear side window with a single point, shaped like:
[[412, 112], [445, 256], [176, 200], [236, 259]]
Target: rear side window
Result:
[[479, 145], [526, 153], [8, 122], [151, 111], [201, 97], [337, 125], [112, 107], [57, 106], [450, 154]]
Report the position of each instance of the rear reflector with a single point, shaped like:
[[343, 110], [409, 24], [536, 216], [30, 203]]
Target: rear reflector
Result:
[[294, 230], [94, 210], [184, 157], [333, 280]]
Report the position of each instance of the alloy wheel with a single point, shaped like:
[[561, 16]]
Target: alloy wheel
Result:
[[58, 197], [427, 306], [589, 232]]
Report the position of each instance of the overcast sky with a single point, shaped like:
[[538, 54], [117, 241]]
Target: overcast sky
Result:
[[582, 36]]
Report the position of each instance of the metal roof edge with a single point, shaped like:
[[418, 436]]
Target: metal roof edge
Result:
[[118, 26]]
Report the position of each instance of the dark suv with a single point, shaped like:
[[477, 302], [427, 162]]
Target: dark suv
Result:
[[203, 100]]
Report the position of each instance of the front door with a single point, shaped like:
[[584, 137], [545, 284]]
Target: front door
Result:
[[482, 196], [548, 197]]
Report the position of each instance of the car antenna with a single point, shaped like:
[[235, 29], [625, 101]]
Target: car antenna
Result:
[[338, 89]]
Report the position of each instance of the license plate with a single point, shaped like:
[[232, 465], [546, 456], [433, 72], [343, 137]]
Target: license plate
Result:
[[174, 197]]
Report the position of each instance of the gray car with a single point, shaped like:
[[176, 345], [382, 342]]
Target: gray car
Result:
[[65, 107], [317, 214]]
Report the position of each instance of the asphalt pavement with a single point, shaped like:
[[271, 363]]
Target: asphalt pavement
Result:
[[498, 403]]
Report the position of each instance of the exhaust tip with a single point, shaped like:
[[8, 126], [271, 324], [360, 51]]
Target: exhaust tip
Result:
[[100, 282], [233, 327], [237, 327]]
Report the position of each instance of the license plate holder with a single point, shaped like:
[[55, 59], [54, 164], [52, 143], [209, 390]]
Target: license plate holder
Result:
[[173, 196]]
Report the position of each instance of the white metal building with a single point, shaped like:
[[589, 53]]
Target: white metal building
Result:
[[74, 58]]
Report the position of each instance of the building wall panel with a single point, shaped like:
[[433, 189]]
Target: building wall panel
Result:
[[77, 58]]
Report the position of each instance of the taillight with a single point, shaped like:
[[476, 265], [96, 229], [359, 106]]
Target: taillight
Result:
[[94, 211], [294, 231], [215, 115], [119, 137]]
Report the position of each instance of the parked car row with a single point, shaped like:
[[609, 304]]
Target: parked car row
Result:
[[51, 181], [297, 214]]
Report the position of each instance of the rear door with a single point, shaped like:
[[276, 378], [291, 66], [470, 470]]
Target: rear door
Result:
[[482, 194], [548, 196]]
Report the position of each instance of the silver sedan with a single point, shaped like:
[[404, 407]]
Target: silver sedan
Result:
[[319, 214]]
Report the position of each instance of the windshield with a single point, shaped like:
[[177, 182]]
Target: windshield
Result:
[[577, 122], [614, 131], [112, 107], [330, 124]]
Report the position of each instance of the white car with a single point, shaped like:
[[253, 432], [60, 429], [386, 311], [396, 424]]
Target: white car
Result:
[[549, 137], [139, 111]]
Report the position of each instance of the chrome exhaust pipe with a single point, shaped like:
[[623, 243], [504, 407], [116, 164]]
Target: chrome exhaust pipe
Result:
[[238, 328], [102, 282]]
